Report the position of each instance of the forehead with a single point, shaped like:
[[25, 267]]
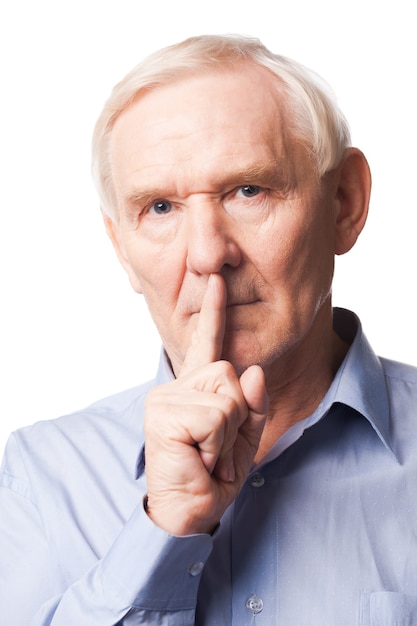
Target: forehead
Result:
[[203, 124]]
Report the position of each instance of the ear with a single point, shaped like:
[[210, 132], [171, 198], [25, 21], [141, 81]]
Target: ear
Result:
[[352, 196], [113, 231]]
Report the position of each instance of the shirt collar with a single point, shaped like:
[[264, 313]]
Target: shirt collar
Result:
[[360, 382]]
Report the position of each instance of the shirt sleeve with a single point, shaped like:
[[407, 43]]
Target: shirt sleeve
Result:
[[147, 576]]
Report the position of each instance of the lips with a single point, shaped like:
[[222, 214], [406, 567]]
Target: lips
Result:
[[239, 294], [239, 303], [233, 304]]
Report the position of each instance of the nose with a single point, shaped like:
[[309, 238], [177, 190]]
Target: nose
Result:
[[212, 242]]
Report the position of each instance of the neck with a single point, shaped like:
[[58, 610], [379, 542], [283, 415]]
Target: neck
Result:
[[297, 386]]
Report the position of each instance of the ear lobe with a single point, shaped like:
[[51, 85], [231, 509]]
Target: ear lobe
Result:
[[352, 195], [113, 232]]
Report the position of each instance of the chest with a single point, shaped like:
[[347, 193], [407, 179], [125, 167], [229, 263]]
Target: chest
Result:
[[322, 535]]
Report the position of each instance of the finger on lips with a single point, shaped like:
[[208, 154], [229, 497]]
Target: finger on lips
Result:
[[207, 339]]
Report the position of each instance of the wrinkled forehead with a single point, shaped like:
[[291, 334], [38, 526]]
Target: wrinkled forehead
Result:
[[205, 134]]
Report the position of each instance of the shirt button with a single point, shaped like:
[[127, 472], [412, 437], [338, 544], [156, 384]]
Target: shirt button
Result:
[[196, 568], [256, 480], [254, 604]]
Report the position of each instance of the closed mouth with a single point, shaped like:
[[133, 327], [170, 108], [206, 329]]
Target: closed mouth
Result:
[[240, 303]]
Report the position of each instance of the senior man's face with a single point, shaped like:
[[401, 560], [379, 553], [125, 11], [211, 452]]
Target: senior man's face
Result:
[[209, 180]]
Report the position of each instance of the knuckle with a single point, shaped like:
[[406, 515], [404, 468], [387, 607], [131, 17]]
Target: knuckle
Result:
[[230, 406], [216, 416], [227, 369], [223, 413]]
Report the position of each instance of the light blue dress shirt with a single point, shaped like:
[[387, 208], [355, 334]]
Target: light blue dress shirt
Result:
[[324, 532]]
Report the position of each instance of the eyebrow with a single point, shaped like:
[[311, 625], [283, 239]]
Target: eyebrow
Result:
[[265, 174], [269, 175]]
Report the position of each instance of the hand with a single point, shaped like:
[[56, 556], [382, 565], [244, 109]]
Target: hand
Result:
[[202, 430]]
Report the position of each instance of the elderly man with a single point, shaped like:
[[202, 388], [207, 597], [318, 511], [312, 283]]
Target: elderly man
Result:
[[267, 474]]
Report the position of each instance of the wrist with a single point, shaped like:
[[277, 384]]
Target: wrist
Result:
[[179, 529]]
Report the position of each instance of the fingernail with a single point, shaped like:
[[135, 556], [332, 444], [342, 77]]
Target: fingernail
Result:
[[225, 471]]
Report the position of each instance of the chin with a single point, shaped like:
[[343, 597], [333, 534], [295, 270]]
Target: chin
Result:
[[242, 352]]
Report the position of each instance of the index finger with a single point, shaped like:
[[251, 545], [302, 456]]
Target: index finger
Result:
[[207, 339]]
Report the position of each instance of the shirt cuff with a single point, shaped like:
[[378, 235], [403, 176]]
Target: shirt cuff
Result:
[[154, 570]]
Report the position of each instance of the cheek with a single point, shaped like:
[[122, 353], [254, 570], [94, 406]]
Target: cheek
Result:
[[299, 256], [283, 253], [316, 269], [160, 289], [160, 276], [150, 267]]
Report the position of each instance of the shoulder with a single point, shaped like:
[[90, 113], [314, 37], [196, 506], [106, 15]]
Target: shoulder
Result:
[[111, 428], [115, 408]]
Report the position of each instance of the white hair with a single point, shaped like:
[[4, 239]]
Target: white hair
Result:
[[316, 120]]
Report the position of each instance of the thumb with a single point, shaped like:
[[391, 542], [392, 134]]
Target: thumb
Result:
[[252, 383]]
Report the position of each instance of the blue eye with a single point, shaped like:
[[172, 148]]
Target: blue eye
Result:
[[161, 207], [250, 190]]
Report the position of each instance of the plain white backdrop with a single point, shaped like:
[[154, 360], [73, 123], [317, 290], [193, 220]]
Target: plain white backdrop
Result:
[[71, 329]]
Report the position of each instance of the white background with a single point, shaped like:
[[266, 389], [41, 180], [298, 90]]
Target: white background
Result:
[[71, 329]]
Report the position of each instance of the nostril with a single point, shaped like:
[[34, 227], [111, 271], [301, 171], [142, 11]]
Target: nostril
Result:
[[209, 254]]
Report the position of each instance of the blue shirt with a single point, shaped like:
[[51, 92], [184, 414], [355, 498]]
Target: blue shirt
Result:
[[323, 533]]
